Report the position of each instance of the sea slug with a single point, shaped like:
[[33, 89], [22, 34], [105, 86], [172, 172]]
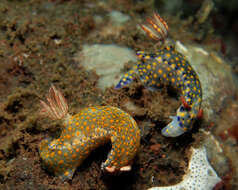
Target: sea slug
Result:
[[168, 67], [85, 131]]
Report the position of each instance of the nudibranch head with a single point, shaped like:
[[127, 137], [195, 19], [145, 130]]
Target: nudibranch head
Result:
[[174, 128], [183, 120]]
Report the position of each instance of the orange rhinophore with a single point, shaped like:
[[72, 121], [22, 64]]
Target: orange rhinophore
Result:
[[158, 28], [57, 108]]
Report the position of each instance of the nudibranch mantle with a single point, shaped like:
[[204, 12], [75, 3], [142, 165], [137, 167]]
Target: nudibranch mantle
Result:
[[85, 131], [169, 67]]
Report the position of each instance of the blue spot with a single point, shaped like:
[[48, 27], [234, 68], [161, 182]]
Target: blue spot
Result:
[[118, 86], [188, 95], [178, 118], [180, 124], [182, 108], [123, 83]]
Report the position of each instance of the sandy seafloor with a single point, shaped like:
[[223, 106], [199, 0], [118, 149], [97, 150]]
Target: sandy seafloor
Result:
[[38, 43]]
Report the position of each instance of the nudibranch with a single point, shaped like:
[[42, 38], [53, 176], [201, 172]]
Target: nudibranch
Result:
[[85, 131], [168, 67]]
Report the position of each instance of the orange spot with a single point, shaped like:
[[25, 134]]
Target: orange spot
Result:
[[59, 152], [61, 162], [66, 173], [74, 156]]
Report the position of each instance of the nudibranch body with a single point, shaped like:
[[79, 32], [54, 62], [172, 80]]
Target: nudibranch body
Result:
[[169, 67], [85, 131]]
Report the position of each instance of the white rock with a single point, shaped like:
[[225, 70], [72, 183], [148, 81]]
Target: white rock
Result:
[[106, 60], [200, 174], [118, 18]]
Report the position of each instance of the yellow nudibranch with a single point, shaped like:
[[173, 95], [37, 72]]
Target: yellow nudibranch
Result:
[[167, 66], [85, 131]]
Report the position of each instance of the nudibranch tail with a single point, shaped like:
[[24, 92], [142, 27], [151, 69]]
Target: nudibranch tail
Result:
[[127, 78], [157, 29], [57, 107]]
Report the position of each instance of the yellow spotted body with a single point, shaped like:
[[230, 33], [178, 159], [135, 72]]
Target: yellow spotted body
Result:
[[87, 130], [169, 67]]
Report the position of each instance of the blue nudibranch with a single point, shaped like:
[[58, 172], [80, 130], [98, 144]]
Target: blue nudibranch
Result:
[[169, 67]]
